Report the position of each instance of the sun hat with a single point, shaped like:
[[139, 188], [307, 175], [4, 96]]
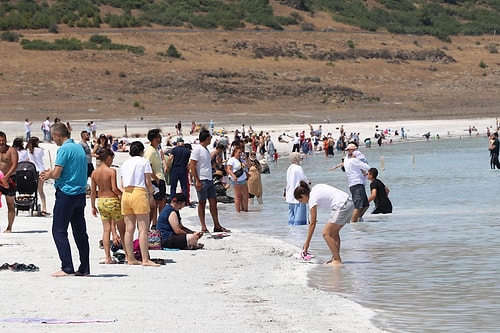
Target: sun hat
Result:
[[351, 146]]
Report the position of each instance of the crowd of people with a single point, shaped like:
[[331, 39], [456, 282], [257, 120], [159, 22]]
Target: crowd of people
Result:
[[157, 178]]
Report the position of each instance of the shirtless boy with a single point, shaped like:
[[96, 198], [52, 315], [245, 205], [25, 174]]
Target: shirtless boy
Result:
[[8, 165], [103, 179]]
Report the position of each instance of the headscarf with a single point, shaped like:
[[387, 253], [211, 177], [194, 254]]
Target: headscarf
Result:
[[295, 158]]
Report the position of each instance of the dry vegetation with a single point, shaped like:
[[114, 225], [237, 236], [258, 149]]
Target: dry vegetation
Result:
[[227, 74]]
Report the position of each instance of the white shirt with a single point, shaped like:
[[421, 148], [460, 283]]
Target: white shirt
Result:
[[294, 175], [27, 126], [37, 158], [46, 125], [327, 197], [22, 155], [353, 168], [201, 155], [133, 171], [236, 165]]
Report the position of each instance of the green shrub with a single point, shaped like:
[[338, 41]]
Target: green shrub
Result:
[[9, 36], [136, 104], [99, 39], [482, 64], [492, 48], [172, 52], [306, 26], [350, 43]]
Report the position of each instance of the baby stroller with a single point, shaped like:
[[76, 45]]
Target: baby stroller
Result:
[[27, 188]]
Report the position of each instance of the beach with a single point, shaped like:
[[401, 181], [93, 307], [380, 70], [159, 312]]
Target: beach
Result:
[[243, 282]]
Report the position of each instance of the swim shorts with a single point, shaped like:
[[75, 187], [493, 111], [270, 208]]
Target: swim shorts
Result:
[[110, 209], [135, 201], [11, 191]]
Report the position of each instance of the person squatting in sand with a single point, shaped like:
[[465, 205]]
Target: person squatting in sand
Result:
[[103, 180], [174, 235], [341, 206], [70, 181], [136, 197]]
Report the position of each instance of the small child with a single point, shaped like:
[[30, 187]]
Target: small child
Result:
[[360, 156], [108, 203]]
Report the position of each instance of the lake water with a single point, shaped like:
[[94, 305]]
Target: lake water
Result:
[[432, 265]]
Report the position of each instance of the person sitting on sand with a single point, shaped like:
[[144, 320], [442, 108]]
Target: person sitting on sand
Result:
[[137, 194], [103, 179], [341, 206], [174, 235]]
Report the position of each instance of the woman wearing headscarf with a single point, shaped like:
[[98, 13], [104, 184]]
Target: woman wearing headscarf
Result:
[[297, 212]]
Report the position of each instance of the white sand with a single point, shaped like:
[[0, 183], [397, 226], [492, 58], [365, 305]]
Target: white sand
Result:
[[243, 282]]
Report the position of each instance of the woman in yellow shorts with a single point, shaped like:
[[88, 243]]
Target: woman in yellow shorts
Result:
[[137, 192]]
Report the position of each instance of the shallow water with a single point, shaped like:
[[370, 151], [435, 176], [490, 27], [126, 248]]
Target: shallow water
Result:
[[432, 265]]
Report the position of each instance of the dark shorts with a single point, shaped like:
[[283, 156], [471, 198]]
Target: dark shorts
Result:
[[11, 191], [175, 242], [207, 190], [90, 169], [359, 197], [163, 190]]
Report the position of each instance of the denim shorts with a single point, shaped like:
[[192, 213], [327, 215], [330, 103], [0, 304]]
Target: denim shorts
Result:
[[207, 190], [359, 197]]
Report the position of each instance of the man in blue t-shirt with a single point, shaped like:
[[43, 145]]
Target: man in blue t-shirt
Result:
[[70, 181]]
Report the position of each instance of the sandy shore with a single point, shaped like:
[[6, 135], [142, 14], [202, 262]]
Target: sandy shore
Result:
[[242, 282]]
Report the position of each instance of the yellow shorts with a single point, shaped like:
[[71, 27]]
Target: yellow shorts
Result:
[[135, 201], [110, 209]]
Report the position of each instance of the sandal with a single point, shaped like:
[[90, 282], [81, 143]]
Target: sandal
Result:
[[44, 213], [221, 229]]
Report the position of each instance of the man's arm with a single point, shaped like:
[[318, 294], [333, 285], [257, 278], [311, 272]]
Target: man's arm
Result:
[[54, 173], [14, 158]]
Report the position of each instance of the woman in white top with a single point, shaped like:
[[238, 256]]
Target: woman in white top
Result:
[[341, 207], [238, 178], [35, 155], [136, 201], [297, 212], [22, 154]]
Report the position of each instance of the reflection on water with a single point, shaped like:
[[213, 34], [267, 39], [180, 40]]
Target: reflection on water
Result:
[[432, 265]]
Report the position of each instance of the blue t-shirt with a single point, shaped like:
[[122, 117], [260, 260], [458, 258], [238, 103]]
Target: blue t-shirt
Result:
[[181, 157], [73, 179], [163, 225]]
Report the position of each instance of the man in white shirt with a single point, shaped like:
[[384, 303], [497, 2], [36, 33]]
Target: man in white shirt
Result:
[[201, 169], [356, 170], [46, 130], [27, 129]]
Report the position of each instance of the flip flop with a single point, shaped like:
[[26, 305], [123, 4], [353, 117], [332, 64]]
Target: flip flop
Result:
[[221, 229]]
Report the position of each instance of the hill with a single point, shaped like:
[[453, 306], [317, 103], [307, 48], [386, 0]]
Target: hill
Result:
[[261, 76]]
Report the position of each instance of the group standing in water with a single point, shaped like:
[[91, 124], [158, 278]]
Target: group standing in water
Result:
[[344, 208]]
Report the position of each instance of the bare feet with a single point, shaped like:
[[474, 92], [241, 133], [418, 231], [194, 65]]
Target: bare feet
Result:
[[61, 274], [134, 262], [150, 263], [7, 231], [333, 262]]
